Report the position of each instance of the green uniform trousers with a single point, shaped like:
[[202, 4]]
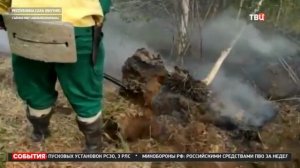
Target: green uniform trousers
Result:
[[82, 82]]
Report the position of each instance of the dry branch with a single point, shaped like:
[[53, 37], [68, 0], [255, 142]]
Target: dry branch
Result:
[[208, 11], [290, 71], [213, 73]]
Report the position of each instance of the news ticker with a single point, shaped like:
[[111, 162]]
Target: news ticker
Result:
[[145, 157]]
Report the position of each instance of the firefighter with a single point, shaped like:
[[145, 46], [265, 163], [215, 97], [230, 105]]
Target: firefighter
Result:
[[81, 81]]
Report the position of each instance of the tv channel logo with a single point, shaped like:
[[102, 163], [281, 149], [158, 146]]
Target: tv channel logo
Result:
[[257, 17]]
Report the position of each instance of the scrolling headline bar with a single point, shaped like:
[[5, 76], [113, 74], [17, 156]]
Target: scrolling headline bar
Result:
[[149, 157]]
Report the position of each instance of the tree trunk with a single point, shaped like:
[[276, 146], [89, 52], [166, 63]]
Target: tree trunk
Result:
[[182, 34], [278, 14], [240, 9]]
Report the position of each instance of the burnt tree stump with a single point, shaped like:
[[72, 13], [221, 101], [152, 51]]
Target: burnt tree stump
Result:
[[143, 75]]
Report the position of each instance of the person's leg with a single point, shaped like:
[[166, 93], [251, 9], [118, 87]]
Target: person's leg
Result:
[[35, 83], [82, 83]]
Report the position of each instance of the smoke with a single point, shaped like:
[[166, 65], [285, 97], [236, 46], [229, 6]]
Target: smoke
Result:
[[242, 103], [255, 49], [122, 39], [219, 32]]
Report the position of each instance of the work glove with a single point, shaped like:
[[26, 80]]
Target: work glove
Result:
[[2, 26]]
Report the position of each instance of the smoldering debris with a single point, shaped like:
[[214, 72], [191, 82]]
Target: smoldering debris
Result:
[[142, 76], [179, 95], [181, 82], [183, 97]]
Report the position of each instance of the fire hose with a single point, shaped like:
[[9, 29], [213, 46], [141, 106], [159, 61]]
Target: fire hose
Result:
[[114, 80]]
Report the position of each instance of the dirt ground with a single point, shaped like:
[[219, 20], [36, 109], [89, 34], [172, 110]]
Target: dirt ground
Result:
[[282, 134]]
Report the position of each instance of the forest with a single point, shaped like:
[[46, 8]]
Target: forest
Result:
[[194, 76]]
